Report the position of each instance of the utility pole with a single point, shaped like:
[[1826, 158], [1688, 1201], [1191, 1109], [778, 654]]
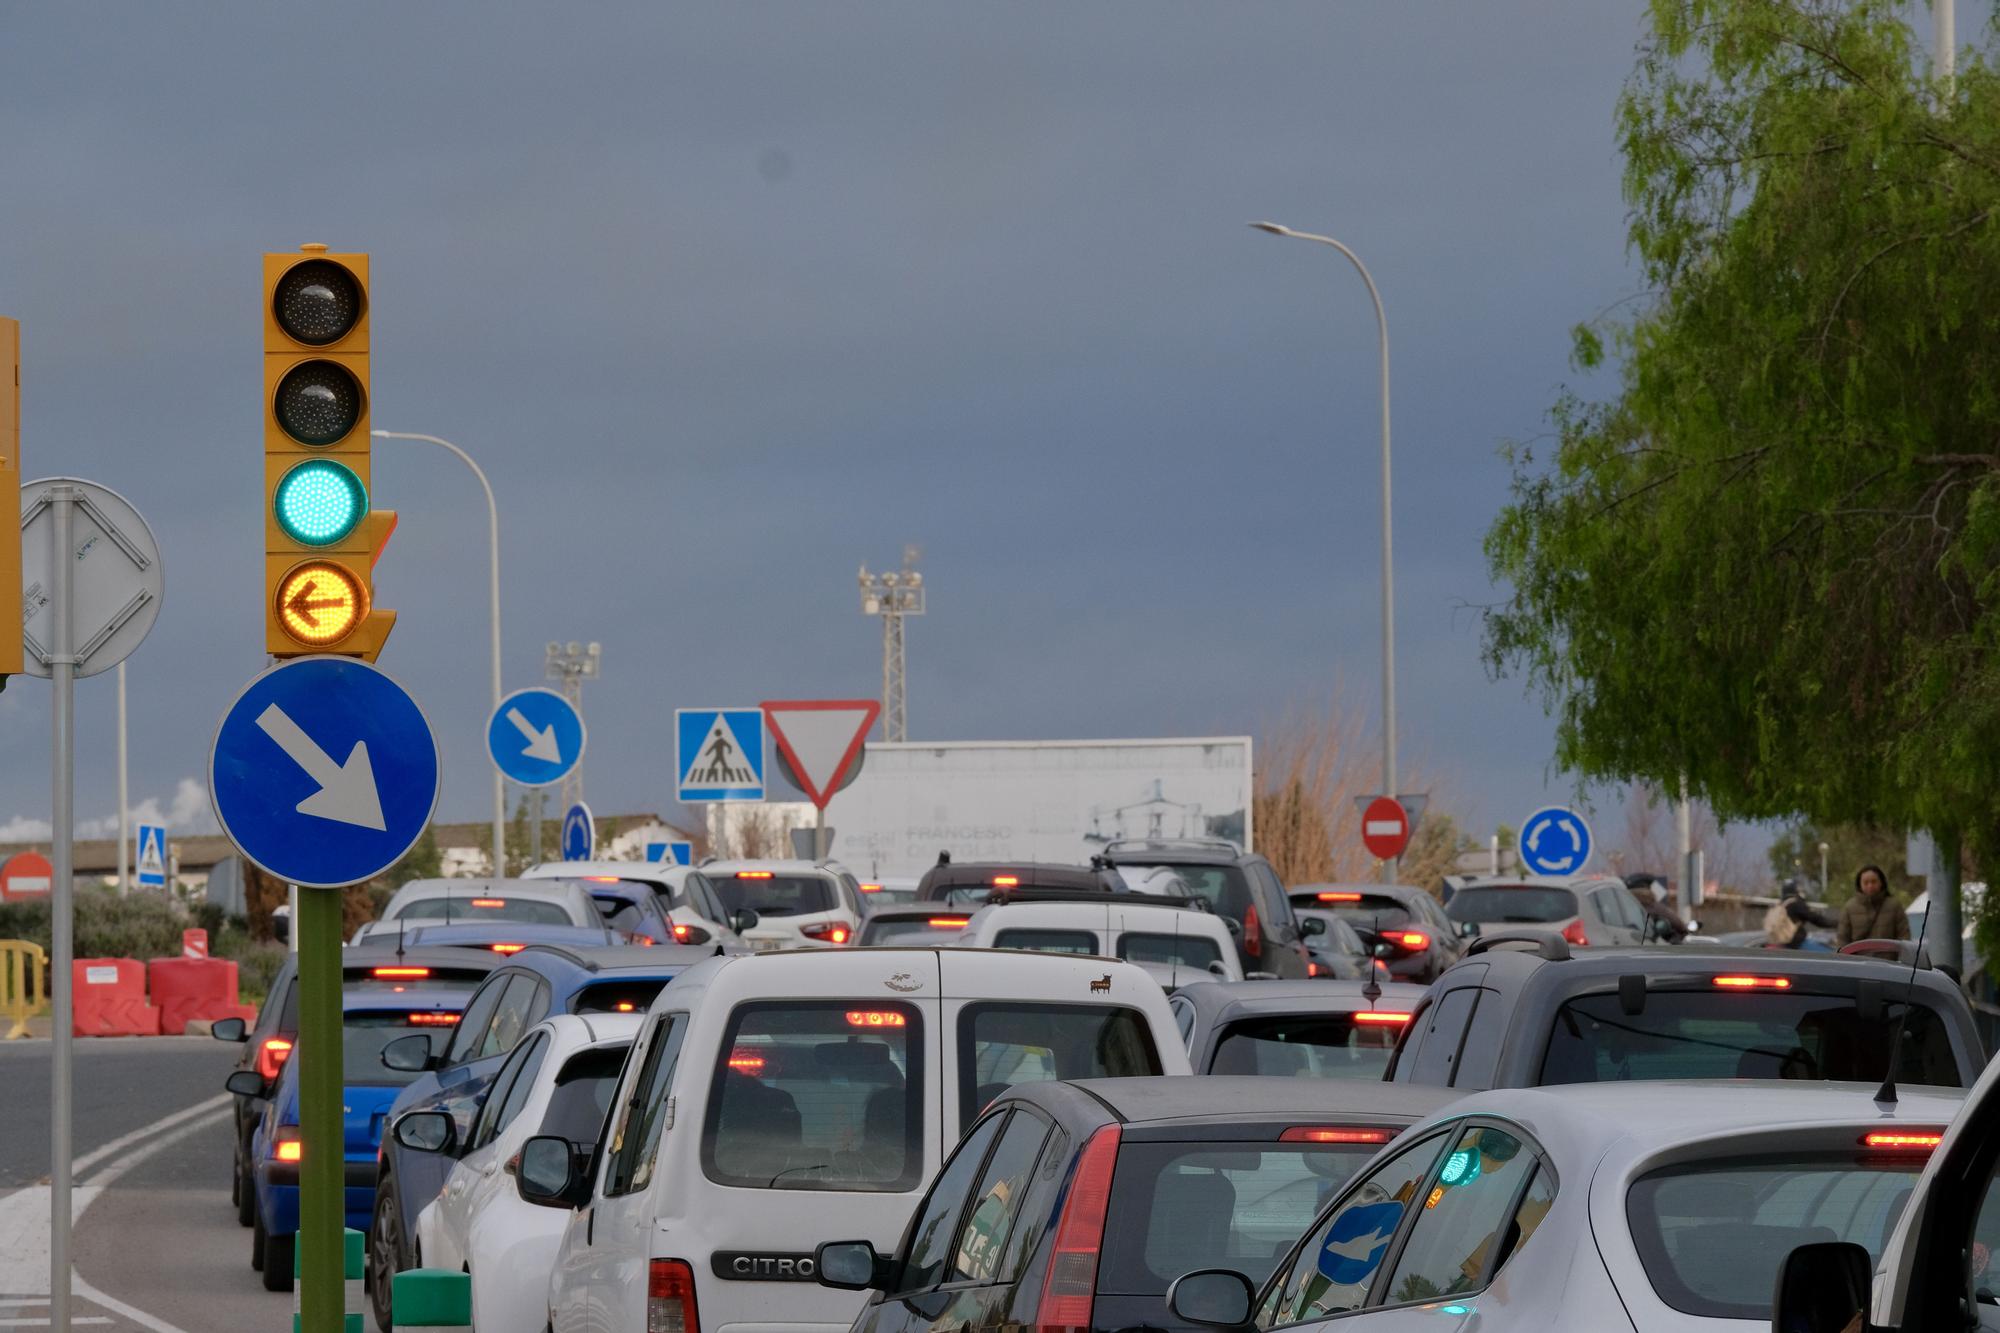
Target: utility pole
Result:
[[1946, 20], [892, 597], [570, 664], [124, 806]]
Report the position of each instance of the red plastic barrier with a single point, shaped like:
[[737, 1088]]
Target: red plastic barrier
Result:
[[191, 988], [110, 999]]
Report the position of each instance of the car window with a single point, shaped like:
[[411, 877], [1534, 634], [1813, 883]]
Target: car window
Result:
[[620, 913], [981, 1242], [1047, 941], [1184, 950], [1183, 1017], [1464, 1230], [1336, 1264], [487, 1125], [524, 1084], [471, 1033], [818, 1095], [1436, 1060], [584, 1088], [523, 1006], [1479, 1053], [365, 1032], [1271, 900], [774, 895], [937, 1221], [1326, 1044], [529, 911], [1635, 915], [1001, 1044], [706, 903], [635, 1138], [1523, 904]]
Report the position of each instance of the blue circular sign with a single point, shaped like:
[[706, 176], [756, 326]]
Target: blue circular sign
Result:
[[1555, 841], [579, 833], [1357, 1240], [324, 772], [535, 737]]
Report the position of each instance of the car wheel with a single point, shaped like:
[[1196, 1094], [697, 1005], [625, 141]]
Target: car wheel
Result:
[[278, 1262], [257, 1241], [245, 1196], [385, 1243]]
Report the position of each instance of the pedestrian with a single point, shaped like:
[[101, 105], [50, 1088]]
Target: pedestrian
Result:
[[1873, 912], [1651, 892], [1789, 922]]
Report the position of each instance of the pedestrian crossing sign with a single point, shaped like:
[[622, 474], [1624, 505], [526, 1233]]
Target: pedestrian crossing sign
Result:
[[719, 753], [152, 858]]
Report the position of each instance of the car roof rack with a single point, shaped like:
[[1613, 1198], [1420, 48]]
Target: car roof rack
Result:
[[1170, 844], [1549, 946], [1108, 897]]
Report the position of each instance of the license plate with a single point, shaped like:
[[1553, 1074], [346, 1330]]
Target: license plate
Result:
[[766, 946]]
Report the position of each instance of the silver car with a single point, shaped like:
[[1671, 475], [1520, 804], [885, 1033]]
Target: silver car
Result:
[[1659, 1205]]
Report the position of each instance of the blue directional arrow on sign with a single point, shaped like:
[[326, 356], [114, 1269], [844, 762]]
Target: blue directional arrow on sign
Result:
[[1555, 841], [535, 737], [719, 754], [579, 833], [324, 772]]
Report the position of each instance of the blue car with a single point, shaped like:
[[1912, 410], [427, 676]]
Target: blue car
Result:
[[370, 1020]]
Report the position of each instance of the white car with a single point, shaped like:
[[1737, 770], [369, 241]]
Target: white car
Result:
[[558, 1081], [775, 1101], [478, 901], [1175, 945], [799, 904], [1603, 1206], [691, 901]]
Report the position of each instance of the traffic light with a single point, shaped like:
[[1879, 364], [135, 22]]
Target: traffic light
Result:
[[321, 535]]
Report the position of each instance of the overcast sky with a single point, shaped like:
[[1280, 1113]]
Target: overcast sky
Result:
[[730, 299]]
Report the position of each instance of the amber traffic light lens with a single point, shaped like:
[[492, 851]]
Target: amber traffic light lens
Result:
[[320, 602], [318, 402], [317, 302]]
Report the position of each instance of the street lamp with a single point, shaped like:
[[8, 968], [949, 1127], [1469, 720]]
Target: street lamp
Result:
[[493, 546], [1822, 871], [893, 596], [1389, 868]]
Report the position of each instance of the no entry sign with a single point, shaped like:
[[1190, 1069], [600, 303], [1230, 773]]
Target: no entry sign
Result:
[[26, 875], [1385, 828]]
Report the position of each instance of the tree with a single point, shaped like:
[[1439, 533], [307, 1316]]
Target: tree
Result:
[[1769, 560]]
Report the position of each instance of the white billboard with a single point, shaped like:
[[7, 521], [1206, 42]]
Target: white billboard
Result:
[[1036, 800]]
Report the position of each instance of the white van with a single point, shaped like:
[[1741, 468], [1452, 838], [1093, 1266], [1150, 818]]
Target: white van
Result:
[[775, 1101], [1175, 945]]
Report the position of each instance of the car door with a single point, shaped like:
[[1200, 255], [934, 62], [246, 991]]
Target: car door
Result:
[[1435, 1049], [913, 1301], [478, 1172]]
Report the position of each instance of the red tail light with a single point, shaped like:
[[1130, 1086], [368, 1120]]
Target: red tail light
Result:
[[831, 932], [753, 874], [489, 902], [1379, 1017], [508, 948], [1312, 968], [1752, 983], [1006, 881], [1339, 897], [871, 888], [401, 972], [1332, 1134], [1573, 932], [1411, 939], [670, 1298], [950, 922], [1906, 1141], [286, 1146], [1070, 1286], [1253, 934], [875, 1018], [680, 933], [271, 1056], [432, 1019], [746, 1061]]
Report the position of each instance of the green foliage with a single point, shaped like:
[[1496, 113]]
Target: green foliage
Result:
[[422, 861], [142, 926], [1772, 560]]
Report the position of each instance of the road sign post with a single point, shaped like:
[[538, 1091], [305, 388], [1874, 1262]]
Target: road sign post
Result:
[[821, 743]]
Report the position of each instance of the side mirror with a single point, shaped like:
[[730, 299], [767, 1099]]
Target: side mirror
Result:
[[230, 1029], [1217, 969], [281, 928], [1313, 925], [743, 919], [691, 935], [409, 1055], [427, 1131], [245, 1083], [1215, 1297], [547, 1174], [1383, 950], [851, 1265], [1823, 1286], [1467, 929]]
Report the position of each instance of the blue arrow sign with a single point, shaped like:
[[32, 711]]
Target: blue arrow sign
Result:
[[673, 853], [1357, 1240], [324, 772], [535, 737], [579, 833], [719, 753], [151, 861], [1555, 841]]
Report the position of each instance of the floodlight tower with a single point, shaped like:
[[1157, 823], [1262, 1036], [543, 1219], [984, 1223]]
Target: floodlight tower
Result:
[[570, 664], [892, 597]]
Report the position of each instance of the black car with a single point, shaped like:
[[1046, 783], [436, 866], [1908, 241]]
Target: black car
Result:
[[1422, 940], [970, 883], [268, 1042], [1293, 1029], [1198, 1173], [1524, 1010], [1238, 886]]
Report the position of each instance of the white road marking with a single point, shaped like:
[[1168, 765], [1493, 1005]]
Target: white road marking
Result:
[[44, 1322], [96, 1155]]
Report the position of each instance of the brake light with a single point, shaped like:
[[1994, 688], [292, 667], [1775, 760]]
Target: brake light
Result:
[[950, 922], [832, 932], [1752, 983], [401, 972], [601, 879], [871, 888], [1006, 881], [1904, 1142], [489, 902], [508, 948], [753, 874], [1574, 933], [680, 933], [287, 1148], [1330, 1134], [433, 1020], [670, 1298], [1379, 1017], [1339, 897], [1253, 937], [1312, 968], [746, 1062], [1411, 939], [1071, 1282], [626, 1007], [876, 1018], [271, 1057]]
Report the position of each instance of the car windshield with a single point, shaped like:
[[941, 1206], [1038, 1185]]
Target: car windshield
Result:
[[534, 911], [1004, 1043], [1747, 1032], [623, 914], [626, 996], [365, 1032], [1370, 911], [769, 894], [1185, 950], [1321, 1045], [1214, 1205], [1712, 1236], [1226, 889], [912, 930], [1523, 903]]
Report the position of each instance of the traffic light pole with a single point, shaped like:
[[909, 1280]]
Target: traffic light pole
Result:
[[62, 940], [322, 1165]]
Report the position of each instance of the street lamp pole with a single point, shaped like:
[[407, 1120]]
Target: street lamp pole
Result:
[[493, 589], [1390, 867]]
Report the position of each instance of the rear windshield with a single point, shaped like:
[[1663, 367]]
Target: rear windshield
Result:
[[780, 895], [910, 930], [1001, 1044], [1305, 1046], [1047, 941], [364, 1034], [583, 1094], [362, 981], [818, 1096], [621, 913], [535, 911], [1214, 1205], [616, 997], [1186, 950], [1370, 911], [1525, 904], [1712, 1237], [1756, 1033], [1226, 889]]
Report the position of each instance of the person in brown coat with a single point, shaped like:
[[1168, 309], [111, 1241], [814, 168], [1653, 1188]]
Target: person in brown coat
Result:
[[1871, 914]]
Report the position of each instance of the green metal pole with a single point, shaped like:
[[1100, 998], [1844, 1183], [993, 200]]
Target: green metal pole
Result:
[[322, 1174]]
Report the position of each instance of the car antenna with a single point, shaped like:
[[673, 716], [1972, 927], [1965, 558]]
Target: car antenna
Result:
[[399, 939], [1372, 990], [1886, 1094]]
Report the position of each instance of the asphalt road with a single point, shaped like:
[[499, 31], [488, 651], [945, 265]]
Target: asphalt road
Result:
[[157, 1246]]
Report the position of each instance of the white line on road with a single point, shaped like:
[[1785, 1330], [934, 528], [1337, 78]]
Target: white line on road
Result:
[[43, 1322], [96, 1155]]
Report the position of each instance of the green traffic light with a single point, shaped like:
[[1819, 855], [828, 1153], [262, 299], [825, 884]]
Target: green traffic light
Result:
[[319, 502]]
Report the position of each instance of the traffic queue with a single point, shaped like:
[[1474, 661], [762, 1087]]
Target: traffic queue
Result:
[[1158, 1091]]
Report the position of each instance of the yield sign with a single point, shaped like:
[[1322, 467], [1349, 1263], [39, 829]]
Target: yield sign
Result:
[[1385, 828], [820, 740]]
